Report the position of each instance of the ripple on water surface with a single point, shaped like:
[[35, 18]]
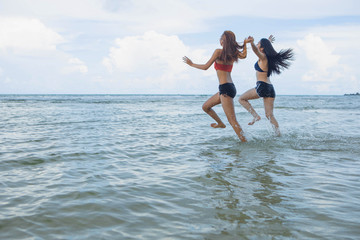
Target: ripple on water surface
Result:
[[150, 167]]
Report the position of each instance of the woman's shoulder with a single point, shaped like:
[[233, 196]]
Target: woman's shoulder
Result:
[[216, 53]]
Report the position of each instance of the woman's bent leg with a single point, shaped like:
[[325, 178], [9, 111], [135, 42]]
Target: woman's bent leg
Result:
[[243, 100], [207, 107], [228, 106]]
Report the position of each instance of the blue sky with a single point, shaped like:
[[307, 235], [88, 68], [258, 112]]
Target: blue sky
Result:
[[136, 46]]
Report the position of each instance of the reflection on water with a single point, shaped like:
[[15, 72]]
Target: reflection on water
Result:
[[244, 194]]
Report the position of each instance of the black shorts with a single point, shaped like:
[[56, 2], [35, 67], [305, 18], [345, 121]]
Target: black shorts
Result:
[[264, 89], [227, 89]]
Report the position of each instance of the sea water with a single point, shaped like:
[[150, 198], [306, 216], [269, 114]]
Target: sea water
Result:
[[151, 167]]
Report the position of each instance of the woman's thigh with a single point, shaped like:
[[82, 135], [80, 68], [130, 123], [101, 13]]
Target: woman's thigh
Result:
[[212, 101], [249, 95]]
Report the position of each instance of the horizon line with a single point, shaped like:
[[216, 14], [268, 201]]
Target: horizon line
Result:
[[166, 94]]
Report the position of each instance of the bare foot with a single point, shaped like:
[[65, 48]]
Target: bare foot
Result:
[[215, 125], [242, 138], [254, 120], [277, 132]]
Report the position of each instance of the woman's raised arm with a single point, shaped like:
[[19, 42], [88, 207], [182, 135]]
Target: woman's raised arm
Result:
[[205, 66], [243, 53], [261, 55]]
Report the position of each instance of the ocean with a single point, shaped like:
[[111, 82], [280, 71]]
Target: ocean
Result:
[[151, 167]]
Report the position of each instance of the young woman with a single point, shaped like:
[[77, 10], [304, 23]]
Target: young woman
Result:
[[224, 59], [269, 62]]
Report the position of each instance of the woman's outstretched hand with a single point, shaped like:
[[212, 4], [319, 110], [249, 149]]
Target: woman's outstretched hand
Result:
[[271, 38], [187, 60], [250, 39]]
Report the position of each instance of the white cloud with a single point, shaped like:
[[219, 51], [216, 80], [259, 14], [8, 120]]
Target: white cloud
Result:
[[164, 16], [75, 65], [45, 39], [149, 60], [318, 52], [30, 37], [175, 16], [26, 35], [151, 51], [328, 70], [134, 16], [55, 9], [325, 64], [299, 9]]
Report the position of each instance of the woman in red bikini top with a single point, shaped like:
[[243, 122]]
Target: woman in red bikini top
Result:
[[224, 59]]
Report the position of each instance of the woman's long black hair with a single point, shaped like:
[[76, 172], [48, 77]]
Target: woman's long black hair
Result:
[[276, 61]]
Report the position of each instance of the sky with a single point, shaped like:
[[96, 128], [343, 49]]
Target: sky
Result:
[[136, 46]]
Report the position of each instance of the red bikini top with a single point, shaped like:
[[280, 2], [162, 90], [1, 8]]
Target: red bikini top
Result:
[[223, 67]]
